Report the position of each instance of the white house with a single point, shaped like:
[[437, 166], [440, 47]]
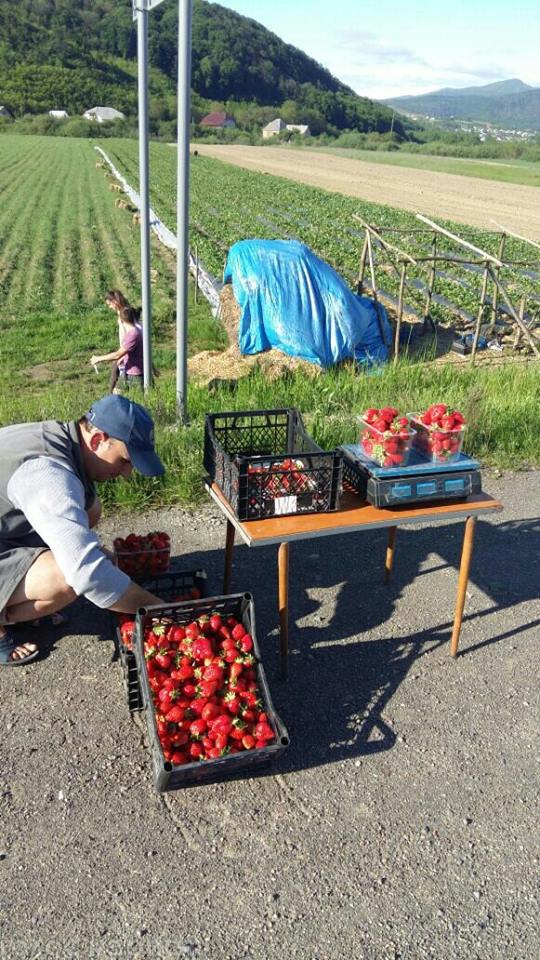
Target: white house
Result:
[[101, 114], [59, 114], [273, 128], [301, 128]]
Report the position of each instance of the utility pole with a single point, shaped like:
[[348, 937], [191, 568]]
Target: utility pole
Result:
[[182, 202], [141, 9]]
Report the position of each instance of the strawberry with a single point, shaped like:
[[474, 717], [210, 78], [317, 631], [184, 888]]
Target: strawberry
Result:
[[197, 728], [263, 731], [201, 648]]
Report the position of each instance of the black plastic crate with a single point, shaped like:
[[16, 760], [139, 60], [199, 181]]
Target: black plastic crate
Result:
[[410, 488], [166, 585], [244, 454], [234, 766]]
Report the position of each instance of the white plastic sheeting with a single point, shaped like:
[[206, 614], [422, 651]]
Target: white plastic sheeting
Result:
[[207, 284]]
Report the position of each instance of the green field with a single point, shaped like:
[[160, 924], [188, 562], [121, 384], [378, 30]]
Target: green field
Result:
[[507, 171], [64, 243], [229, 203]]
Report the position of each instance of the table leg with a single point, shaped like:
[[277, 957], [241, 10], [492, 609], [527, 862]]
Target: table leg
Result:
[[283, 604], [229, 544], [464, 568], [389, 561]]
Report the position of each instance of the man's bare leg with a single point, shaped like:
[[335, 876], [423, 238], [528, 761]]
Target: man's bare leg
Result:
[[42, 591]]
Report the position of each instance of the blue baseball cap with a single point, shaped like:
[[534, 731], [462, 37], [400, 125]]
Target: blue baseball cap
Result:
[[127, 421]]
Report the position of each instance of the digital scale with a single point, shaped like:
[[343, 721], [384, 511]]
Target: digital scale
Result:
[[420, 481]]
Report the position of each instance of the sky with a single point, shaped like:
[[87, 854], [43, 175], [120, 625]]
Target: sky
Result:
[[386, 48]]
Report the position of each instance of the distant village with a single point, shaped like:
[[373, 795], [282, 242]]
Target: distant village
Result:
[[484, 131]]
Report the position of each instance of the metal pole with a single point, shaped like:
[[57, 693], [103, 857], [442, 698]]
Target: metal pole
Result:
[[182, 202], [142, 55]]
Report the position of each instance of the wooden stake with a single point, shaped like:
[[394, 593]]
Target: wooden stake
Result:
[[495, 289], [480, 314], [519, 333], [431, 284], [400, 310], [521, 323], [374, 290], [362, 267]]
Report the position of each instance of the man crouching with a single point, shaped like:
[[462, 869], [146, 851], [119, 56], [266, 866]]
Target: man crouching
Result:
[[49, 554]]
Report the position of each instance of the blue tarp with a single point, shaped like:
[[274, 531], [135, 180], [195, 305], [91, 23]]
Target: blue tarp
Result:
[[297, 303]]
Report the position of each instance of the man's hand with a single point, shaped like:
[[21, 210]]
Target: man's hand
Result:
[[133, 598]]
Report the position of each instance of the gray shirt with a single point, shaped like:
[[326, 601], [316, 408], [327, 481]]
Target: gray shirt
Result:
[[44, 496]]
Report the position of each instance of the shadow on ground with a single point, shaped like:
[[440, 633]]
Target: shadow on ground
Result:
[[340, 679]]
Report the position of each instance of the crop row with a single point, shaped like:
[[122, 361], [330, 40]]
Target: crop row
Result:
[[62, 241], [229, 204]]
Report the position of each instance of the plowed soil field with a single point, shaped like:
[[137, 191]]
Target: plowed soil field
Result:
[[440, 195]]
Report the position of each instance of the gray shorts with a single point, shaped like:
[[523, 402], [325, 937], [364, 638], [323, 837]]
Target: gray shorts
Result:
[[15, 563], [127, 381]]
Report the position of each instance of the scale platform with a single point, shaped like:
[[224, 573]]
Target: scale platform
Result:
[[420, 481]]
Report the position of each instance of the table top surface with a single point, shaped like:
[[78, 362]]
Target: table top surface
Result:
[[354, 515]]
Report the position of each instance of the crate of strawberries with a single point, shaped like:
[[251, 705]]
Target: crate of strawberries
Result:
[[208, 707], [143, 555], [386, 436], [439, 432], [175, 586], [267, 465]]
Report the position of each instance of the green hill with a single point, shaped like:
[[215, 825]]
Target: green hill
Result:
[[74, 54], [509, 103]]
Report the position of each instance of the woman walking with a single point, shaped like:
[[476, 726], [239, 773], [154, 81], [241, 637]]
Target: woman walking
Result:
[[116, 301], [128, 359]]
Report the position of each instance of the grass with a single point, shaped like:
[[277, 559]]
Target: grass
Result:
[[500, 405], [506, 171]]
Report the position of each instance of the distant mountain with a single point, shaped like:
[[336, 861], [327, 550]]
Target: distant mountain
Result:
[[497, 89], [74, 54], [508, 103]]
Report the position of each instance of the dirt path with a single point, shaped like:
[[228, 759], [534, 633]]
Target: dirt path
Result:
[[444, 195]]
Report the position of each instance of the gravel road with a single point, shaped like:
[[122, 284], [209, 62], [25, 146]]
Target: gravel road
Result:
[[468, 200], [402, 821]]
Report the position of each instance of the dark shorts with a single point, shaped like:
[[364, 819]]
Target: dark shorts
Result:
[[15, 563], [128, 381]]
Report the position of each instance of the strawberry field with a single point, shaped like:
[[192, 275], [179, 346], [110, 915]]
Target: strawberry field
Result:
[[229, 204], [63, 244]]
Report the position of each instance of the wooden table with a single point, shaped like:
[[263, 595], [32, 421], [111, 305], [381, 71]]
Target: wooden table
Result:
[[353, 516]]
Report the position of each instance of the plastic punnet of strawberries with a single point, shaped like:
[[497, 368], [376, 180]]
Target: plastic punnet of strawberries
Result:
[[439, 432], [386, 436], [141, 555], [203, 679]]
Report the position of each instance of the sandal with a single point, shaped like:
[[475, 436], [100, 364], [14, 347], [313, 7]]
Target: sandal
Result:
[[9, 643]]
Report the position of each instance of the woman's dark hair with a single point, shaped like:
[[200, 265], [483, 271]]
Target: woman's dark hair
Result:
[[118, 298], [129, 314]]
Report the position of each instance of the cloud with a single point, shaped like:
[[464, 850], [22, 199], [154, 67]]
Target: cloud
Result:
[[380, 70], [371, 47]]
